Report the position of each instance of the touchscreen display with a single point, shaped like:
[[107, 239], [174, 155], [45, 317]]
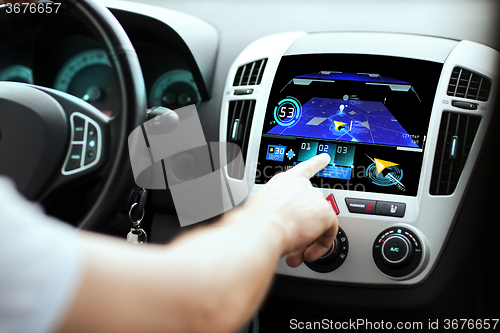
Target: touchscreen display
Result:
[[369, 113]]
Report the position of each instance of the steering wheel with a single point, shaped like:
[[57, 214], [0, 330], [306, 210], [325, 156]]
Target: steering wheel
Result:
[[50, 141]]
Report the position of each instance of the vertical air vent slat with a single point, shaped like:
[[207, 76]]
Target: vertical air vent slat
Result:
[[258, 78], [239, 124], [245, 136], [238, 76], [452, 86], [250, 74], [474, 85], [484, 90], [463, 83], [468, 138], [466, 84], [456, 135]]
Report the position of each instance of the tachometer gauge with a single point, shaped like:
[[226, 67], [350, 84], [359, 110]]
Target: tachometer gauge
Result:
[[174, 89], [17, 73], [89, 76]]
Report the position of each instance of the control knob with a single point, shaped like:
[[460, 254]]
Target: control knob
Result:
[[334, 257], [397, 251]]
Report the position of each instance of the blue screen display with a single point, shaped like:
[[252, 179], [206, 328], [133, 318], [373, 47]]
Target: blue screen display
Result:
[[369, 113], [350, 121]]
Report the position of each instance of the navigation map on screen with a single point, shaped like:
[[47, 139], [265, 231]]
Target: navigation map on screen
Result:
[[347, 120]]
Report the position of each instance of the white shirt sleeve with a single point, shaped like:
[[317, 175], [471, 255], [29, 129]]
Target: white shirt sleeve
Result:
[[41, 265]]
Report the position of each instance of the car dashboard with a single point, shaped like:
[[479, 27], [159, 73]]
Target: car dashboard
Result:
[[407, 114], [401, 120]]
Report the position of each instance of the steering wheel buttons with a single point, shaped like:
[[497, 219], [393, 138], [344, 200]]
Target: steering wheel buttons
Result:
[[91, 132], [75, 157], [78, 128], [85, 147], [89, 157], [92, 143]]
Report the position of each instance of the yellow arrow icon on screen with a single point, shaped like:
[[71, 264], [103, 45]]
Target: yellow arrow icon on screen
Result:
[[338, 124], [381, 164]]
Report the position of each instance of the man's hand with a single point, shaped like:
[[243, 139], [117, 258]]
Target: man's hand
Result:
[[299, 210], [211, 279]]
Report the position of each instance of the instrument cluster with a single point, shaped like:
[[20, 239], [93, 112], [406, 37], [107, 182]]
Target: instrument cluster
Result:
[[73, 61]]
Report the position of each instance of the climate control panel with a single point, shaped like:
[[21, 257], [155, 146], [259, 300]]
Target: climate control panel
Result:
[[397, 251]]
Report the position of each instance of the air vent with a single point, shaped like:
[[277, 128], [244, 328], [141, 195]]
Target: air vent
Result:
[[250, 74], [456, 134], [240, 117], [465, 84]]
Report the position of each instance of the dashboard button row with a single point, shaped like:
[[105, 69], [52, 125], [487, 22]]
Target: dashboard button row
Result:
[[374, 207]]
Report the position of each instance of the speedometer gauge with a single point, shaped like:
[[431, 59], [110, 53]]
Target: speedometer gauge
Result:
[[89, 76], [17, 73], [174, 89]]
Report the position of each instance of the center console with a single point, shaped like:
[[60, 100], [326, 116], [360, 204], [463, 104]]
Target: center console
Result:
[[402, 117]]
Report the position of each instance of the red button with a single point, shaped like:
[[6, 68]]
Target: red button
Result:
[[332, 202]]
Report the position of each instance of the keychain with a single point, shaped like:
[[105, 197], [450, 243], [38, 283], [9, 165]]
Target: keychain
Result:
[[136, 235]]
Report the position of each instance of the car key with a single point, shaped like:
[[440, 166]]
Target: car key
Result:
[[136, 234]]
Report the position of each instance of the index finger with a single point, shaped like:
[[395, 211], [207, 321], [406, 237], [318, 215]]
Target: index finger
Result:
[[310, 167]]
